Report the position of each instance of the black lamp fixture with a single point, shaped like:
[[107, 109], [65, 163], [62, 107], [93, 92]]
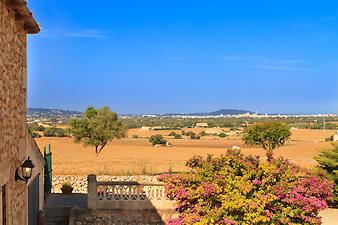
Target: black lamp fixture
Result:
[[25, 169]]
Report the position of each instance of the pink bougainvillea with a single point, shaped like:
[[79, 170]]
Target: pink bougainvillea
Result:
[[237, 189]]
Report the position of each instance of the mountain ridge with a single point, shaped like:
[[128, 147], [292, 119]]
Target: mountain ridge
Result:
[[56, 113]]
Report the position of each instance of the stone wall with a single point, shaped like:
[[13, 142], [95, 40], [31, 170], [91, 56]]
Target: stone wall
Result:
[[110, 217], [12, 113], [80, 183]]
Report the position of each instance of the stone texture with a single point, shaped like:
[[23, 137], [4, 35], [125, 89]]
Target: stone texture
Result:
[[80, 183], [12, 112], [110, 217]]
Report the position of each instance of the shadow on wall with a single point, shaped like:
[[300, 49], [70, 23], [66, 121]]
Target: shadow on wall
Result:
[[124, 202], [117, 217]]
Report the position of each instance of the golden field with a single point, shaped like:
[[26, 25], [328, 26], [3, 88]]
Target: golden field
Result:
[[136, 156]]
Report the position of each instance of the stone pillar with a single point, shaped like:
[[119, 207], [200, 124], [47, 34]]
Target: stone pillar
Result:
[[92, 191]]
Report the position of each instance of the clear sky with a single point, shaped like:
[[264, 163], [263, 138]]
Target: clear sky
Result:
[[185, 56]]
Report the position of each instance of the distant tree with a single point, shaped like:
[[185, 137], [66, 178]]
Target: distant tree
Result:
[[269, 135], [35, 134], [55, 132], [189, 133], [203, 133], [329, 139], [194, 136], [157, 140], [222, 135], [177, 136], [96, 128], [328, 160], [172, 133], [36, 127]]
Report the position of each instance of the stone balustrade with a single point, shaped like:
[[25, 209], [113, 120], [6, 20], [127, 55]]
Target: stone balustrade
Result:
[[80, 185], [127, 195]]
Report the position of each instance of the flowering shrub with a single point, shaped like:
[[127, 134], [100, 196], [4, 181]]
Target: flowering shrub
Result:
[[237, 189]]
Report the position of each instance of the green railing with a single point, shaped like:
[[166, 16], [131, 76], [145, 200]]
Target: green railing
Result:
[[48, 170]]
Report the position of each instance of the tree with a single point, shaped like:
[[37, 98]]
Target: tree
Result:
[[96, 128], [177, 136], [328, 160], [55, 132], [269, 135], [172, 133], [157, 140], [36, 127], [222, 135]]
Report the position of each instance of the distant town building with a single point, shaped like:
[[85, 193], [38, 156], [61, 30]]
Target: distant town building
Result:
[[335, 137], [146, 128], [213, 131], [203, 125], [235, 147]]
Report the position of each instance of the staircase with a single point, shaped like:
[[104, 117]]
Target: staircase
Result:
[[58, 206]]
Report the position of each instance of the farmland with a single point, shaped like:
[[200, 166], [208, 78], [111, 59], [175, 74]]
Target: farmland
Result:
[[136, 155]]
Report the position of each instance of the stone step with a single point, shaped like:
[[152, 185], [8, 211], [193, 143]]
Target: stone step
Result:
[[56, 215]]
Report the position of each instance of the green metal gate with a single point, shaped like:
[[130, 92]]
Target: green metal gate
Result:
[[48, 170]]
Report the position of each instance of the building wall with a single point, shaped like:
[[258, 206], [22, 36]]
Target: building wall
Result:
[[12, 113], [38, 160]]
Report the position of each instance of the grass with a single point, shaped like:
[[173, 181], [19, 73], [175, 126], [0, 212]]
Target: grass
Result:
[[132, 156]]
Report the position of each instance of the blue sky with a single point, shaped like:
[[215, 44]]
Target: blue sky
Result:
[[185, 56]]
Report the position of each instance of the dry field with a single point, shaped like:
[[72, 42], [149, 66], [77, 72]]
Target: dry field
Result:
[[137, 156]]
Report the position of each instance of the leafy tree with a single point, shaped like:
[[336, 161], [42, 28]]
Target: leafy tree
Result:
[[177, 136], [269, 135], [96, 128], [222, 135], [36, 127], [193, 136], [328, 160], [157, 140], [54, 132], [172, 133], [329, 139], [203, 133], [36, 135], [189, 133]]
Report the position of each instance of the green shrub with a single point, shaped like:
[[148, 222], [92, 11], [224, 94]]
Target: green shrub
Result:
[[157, 140], [177, 136], [55, 132], [194, 136], [67, 185], [172, 133], [222, 135], [329, 139], [203, 133], [36, 127], [36, 135]]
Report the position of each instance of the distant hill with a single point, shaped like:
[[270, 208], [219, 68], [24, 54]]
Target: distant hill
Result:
[[51, 113], [215, 113], [229, 112], [61, 114]]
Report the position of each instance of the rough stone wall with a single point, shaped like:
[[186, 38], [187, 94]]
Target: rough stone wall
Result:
[[12, 113], [111, 217], [80, 183]]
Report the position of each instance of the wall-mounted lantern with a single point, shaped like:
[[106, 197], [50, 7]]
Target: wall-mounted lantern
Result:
[[25, 170]]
